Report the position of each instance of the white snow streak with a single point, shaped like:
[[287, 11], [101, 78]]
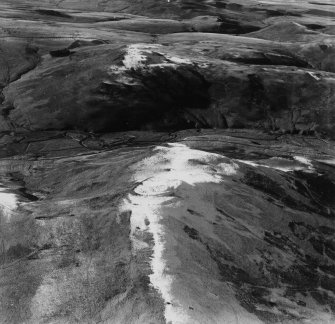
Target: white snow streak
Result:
[[165, 171], [328, 161], [8, 203], [299, 163]]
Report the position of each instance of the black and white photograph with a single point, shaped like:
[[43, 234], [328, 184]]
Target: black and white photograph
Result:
[[167, 161]]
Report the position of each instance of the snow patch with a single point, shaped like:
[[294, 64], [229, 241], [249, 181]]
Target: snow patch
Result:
[[160, 175], [178, 60], [329, 161], [8, 203], [136, 57], [298, 164], [304, 160]]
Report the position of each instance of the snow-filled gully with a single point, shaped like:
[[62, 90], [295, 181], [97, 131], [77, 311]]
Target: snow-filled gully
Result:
[[166, 170], [8, 203]]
